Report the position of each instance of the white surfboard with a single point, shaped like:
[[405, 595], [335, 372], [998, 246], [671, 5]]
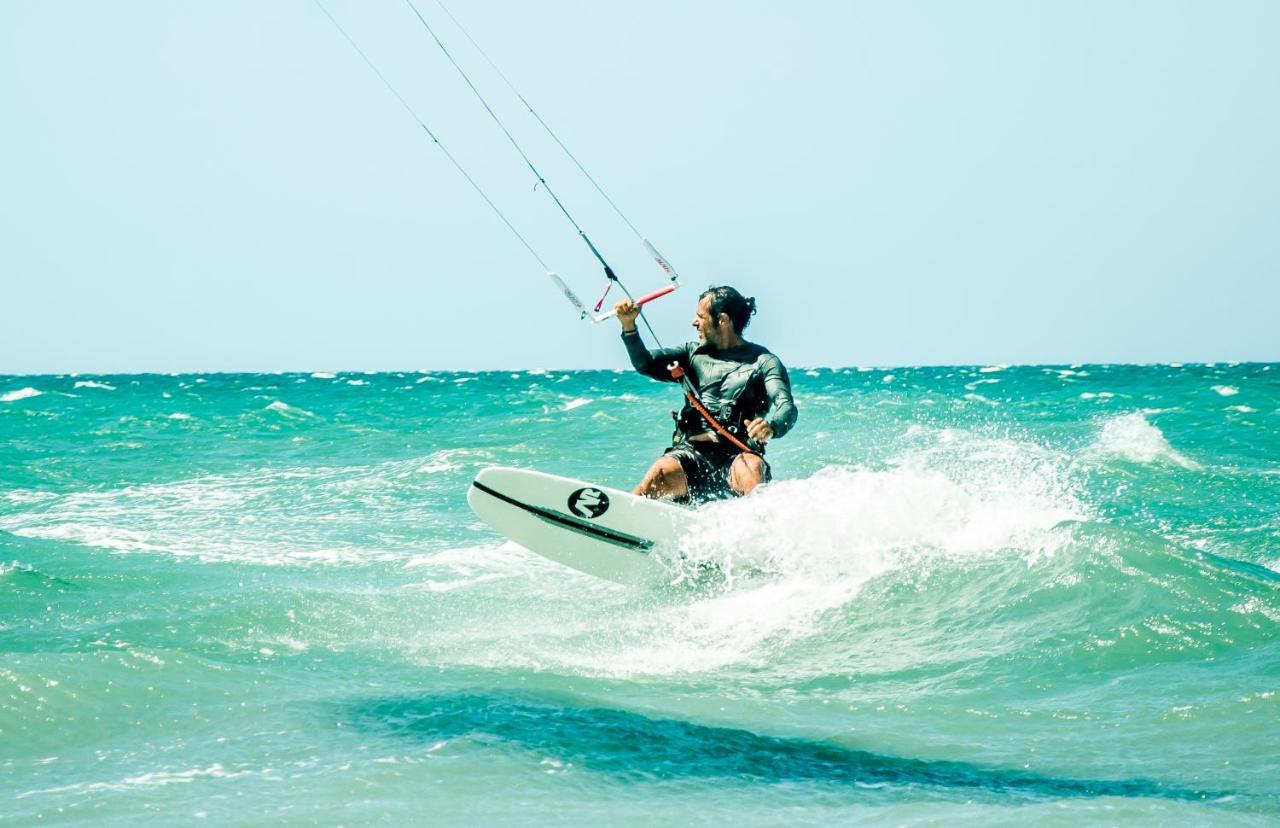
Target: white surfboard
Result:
[[603, 532]]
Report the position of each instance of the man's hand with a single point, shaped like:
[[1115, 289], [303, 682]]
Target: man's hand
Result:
[[759, 430], [627, 313]]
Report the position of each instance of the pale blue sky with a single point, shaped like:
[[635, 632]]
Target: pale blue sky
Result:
[[225, 186]]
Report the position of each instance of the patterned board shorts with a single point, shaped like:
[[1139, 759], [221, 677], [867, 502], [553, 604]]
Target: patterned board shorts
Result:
[[706, 470]]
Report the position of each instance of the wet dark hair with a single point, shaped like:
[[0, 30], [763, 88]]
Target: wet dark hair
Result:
[[725, 299]]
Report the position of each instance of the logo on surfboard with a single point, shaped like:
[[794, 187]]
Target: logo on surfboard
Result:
[[588, 503]]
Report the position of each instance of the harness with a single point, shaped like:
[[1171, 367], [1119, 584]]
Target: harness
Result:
[[678, 374]]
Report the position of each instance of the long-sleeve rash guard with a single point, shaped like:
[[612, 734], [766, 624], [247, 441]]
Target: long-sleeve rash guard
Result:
[[740, 383]]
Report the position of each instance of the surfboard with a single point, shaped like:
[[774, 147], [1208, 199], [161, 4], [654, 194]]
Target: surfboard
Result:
[[594, 529]]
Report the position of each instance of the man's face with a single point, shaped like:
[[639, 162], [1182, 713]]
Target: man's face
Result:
[[708, 329]]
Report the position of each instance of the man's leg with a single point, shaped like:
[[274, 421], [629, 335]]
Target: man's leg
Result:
[[746, 473], [665, 478]]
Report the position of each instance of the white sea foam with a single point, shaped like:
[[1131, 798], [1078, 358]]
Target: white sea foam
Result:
[[452, 459], [92, 384], [356, 382], [789, 555], [1255, 605], [460, 568], [1130, 437], [199, 543], [1226, 390], [739, 627], [447, 460], [1243, 409], [288, 410], [266, 517], [103, 537], [578, 403], [178, 415], [855, 522], [323, 375], [154, 779], [26, 496], [506, 558], [20, 394]]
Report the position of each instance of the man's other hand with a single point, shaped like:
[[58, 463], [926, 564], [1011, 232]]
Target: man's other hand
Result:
[[759, 430]]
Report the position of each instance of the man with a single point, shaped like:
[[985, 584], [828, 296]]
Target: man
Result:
[[743, 387]]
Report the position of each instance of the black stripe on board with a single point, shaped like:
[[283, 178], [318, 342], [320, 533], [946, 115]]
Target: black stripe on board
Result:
[[571, 523]]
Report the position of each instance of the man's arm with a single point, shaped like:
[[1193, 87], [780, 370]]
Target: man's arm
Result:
[[650, 363], [782, 412]]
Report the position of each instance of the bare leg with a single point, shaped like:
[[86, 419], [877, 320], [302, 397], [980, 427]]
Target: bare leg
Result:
[[665, 478], [746, 473]]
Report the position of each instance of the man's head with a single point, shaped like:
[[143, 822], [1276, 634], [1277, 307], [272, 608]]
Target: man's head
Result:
[[722, 315]]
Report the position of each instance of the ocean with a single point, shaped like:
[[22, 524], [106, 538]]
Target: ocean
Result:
[[972, 595]]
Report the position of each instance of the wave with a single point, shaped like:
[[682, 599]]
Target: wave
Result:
[[20, 394], [24, 578], [1130, 437], [1089, 600], [307, 516], [967, 555], [287, 410]]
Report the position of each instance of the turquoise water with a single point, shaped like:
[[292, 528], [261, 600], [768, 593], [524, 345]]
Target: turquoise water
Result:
[[971, 595]]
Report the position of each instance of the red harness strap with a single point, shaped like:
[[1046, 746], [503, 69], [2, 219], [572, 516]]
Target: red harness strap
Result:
[[677, 373]]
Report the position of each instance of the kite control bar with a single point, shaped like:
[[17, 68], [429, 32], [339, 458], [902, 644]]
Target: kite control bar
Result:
[[641, 302]]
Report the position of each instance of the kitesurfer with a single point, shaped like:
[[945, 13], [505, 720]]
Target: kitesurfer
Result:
[[742, 386]]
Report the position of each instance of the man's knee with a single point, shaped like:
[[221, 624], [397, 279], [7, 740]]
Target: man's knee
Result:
[[664, 478], [747, 473], [750, 464]]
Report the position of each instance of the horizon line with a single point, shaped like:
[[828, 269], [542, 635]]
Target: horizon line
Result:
[[992, 367]]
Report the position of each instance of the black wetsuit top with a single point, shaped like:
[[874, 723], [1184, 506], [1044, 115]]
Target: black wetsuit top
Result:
[[735, 384]]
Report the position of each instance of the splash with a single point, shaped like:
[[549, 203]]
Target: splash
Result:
[[1130, 437], [956, 494], [793, 558]]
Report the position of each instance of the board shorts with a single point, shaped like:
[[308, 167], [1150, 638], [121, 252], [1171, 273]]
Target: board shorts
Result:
[[706, 469]]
